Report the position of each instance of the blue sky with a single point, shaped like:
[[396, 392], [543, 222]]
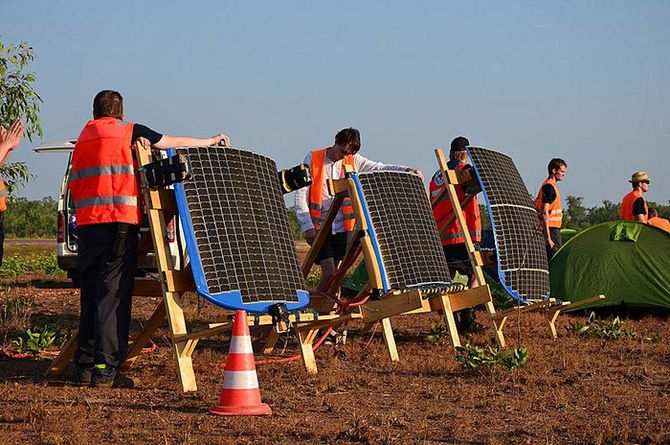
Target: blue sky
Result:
[[581, 80]]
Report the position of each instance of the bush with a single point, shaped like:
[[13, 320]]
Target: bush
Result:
[[31, 219], [612, 329], [17, 265], [473, 357]]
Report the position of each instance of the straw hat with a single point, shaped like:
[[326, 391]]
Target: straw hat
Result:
[[639, 177]]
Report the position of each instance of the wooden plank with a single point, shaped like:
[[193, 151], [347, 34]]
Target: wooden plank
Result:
[[387, 332], [65, 356], [337, 186], [525, 308], [390, 305], [150, 328], [306, 351], [163, 199], [470, 298], [321, 235], [450, 320], [179, 280]]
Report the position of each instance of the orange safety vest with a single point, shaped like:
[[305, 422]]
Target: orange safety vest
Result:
[[555, 210], [443, 211], [102, 179], [626, 210], [3, 196], [661, 223], [316, 191]]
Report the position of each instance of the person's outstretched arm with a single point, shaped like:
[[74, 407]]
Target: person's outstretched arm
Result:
[[168, 141], [9, 139]]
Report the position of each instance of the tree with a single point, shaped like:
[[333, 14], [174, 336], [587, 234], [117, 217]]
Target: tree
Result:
[[576, 213], [18, 100]]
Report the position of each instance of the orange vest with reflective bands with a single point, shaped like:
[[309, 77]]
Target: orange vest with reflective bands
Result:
[[316, 191], [3, 196], [444, 210], [661, 223], [555, 210], [626, 210], [102, 179]]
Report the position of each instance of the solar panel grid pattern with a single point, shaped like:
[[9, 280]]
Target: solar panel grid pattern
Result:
[[241, 226], [403, 221], [521, 247]]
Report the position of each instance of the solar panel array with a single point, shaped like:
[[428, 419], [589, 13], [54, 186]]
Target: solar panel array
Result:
[[240, 225], [522, 256], [406, 231]]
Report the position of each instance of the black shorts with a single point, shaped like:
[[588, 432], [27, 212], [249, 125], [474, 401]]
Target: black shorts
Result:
[[458, 258], [335, 246]]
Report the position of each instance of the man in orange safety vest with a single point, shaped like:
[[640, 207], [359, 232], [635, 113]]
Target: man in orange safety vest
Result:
[[109, 209], [548, 205], [634, 206]]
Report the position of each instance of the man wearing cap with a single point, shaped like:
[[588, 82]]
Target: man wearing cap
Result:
[[453, 240], [634, 207], [548, 205]]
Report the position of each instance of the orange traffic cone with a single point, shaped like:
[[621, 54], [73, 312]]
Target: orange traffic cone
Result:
[[240, 395]]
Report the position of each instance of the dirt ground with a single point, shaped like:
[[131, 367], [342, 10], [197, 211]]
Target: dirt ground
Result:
[[573, 390]]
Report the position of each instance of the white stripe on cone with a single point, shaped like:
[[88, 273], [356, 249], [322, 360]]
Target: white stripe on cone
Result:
[[240, 380], [241, 344]]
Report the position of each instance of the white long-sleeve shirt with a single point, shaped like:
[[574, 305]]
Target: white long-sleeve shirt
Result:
[[333, 170]]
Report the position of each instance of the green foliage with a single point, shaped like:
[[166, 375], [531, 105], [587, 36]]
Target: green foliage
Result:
[[438, 333], [14, 308], [293, 224], [486, 221], [612, 329], [36, 342], [473, 357], [18, 99], [313, 279], [17, 265], [31, 219]]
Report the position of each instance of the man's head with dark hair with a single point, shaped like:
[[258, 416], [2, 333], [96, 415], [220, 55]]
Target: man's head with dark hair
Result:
[[108, 103], [556, 164], [349, 136], [653, 213]]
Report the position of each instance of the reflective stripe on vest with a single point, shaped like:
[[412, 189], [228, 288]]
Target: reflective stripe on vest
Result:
[[102, 170], [627, 204], [443, 211], [555, 218], [102, 180], [315, 193]]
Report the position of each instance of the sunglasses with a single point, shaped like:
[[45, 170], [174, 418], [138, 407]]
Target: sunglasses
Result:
[[646, 181]]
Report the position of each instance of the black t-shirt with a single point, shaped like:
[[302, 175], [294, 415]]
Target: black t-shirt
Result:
[[548, 194], [142, 131], [638, 207]]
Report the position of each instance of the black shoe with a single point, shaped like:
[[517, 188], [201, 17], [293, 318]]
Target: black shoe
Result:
[[108, 377], [83, 374]]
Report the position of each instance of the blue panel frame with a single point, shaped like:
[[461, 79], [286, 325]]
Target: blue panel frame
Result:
[[371, 232], [231, 299], [501, 275]]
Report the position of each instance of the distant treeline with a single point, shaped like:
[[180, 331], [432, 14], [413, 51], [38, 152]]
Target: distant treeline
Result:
[[31, 219], [37, 219]]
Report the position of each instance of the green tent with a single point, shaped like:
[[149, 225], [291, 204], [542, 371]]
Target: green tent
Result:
[[627, 262]]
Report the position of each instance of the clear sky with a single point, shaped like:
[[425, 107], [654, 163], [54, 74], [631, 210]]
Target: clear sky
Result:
[[586, 81]]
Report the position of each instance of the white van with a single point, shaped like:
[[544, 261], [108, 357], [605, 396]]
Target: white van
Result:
[[66, 234]]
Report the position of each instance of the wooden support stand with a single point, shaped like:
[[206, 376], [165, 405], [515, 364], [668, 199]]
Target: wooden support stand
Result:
[[393, 303], [161, 207]]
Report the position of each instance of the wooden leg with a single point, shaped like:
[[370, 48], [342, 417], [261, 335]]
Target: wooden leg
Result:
[[500, 338], [270, 343], [306, 348], [450, 320], [387, 332], [552, 323], [182, 350], [64, 358], [152, 325]]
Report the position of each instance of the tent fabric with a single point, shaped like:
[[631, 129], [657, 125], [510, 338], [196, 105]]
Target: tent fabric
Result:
[[633, 274]]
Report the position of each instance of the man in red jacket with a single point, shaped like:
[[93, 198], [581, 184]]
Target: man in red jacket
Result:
[[109, 209]]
